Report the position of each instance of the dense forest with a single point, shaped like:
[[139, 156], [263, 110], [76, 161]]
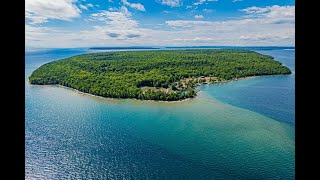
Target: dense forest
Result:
[[166, 75]]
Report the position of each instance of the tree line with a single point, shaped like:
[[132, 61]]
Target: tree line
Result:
[[122, 74]]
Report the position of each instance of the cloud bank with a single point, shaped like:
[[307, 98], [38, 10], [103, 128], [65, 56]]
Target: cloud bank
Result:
[[270, 25], [40, 11]]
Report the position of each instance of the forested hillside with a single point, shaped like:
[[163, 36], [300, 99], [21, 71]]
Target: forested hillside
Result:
[[154, 75]]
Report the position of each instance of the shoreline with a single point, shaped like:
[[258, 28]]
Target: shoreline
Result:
[[159, 101], [120, 99]]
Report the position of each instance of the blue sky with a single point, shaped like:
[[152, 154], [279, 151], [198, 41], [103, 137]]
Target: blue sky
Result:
[[85, 23]]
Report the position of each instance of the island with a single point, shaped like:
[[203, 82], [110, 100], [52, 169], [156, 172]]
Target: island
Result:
[[119, 48], [162, 75]]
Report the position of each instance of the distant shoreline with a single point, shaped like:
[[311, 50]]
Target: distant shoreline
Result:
[[115, 48]]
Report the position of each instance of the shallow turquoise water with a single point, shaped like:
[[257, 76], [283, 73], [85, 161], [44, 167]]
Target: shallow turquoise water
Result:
[[71, 135]]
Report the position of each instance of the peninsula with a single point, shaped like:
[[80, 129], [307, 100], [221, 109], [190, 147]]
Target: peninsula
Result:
[[165, 75]]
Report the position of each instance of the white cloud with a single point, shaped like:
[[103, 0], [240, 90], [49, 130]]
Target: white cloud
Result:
[[208, 10], [119, 24], [119, 16], [184, 23], [83, 7], [40, 36], [171, 3], [34, 19], [198, 17], [39, 11], [89, 5], [255, 16], [265, 36], [112, 9], [272, 14], [284, 11], [137, 6], [199, 2], [196, 39], [203, 1], [259, 26], [237, 0], [125, 11], [119, 28]]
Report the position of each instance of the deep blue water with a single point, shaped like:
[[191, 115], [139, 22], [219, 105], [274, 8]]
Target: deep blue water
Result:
[[238, 130], [271, 96]]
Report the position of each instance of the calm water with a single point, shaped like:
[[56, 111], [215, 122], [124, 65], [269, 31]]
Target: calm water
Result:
[[270, 96], [239, 130]]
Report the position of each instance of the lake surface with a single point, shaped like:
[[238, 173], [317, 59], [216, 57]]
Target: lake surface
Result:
[[238, 130]]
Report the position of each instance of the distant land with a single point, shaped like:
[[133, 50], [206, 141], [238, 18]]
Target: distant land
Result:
[[195, 47], [36, 50], [233, 47], [165, 75], [130, 47]]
